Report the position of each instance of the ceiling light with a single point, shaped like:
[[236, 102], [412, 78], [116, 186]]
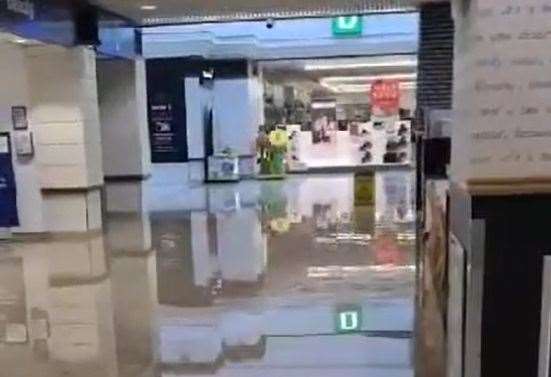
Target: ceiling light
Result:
[[324, 105], [396, 76], [362, 88], [387, 64], [148, 7]]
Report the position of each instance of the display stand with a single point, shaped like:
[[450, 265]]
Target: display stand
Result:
[[223, 168], [497, 281], [385, 142], [272, 151], [294, 163]]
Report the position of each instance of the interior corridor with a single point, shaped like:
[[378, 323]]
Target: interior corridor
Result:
[[257, 278]]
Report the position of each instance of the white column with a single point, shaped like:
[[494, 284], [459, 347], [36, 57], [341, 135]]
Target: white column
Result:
[[123, 113], [198, 102], [241, 247]]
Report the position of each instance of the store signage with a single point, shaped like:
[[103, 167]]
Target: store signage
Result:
[[348, 319], [162, 133], [347, 26], [23, 7], [8, 198], [19, 117], [364, 189], [385, 95]]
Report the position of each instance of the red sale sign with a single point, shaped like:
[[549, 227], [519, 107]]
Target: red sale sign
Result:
[[385, 95]]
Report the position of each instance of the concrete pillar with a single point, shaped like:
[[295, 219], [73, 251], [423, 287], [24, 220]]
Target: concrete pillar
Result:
[[65, 117], [123, 113], [134, 309], [58, 187]]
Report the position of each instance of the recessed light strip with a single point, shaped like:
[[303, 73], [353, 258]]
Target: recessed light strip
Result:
[[387, 64], [148, 7], [363, 88], [396, 76]]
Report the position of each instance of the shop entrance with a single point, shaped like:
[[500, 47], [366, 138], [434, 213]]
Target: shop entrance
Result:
[[342, 114]]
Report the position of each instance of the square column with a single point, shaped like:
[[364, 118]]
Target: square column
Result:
[[65, 117], [123, 113]]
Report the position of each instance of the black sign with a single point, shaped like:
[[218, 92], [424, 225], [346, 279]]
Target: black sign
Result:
[[19, 117], [163, 132], [8, 197]]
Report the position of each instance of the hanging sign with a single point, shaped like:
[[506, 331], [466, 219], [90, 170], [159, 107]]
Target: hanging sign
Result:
[[385, 95], [348, 26]]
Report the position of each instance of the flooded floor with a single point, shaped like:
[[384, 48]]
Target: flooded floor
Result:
[[300, 277]]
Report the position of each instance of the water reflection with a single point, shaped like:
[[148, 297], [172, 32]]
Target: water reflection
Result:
[[247, 279]]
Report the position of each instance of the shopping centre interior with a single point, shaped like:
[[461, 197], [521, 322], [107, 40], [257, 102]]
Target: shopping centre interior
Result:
[[337, 188]]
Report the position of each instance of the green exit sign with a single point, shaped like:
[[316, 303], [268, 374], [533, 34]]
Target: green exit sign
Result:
[[347, 26], [348, 319]]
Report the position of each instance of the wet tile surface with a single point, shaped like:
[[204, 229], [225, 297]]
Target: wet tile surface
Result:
[[260, 278]]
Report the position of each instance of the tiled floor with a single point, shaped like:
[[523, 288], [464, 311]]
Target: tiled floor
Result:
[[249, 279]]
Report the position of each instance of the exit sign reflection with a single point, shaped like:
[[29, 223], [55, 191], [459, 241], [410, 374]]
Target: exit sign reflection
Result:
[[348, 319]]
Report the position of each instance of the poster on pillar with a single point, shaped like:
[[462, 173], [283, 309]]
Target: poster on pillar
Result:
[[8, 198], [502, 88]]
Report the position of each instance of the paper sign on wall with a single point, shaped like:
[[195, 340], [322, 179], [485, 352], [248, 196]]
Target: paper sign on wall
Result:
[[501, 100]]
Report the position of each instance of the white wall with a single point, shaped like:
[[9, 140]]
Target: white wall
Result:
[[197, 99], [236, 115], [123, 111], [14, 92]]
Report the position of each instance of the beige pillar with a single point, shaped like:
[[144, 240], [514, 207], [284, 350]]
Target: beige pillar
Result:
[[65, 117], [123, 113]]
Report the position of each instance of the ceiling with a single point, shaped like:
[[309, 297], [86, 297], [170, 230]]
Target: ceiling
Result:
[[342, 75], [155, 12]]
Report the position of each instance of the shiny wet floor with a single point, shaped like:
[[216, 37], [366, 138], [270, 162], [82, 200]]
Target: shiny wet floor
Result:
[[299, 277]]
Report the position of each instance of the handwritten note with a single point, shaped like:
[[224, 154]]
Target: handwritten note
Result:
[[502, 90]]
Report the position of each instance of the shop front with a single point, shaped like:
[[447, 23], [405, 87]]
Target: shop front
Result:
[[298, 97], [343, 113]]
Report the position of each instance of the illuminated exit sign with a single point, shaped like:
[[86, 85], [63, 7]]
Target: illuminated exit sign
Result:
[[347, 26], [348, 319]]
